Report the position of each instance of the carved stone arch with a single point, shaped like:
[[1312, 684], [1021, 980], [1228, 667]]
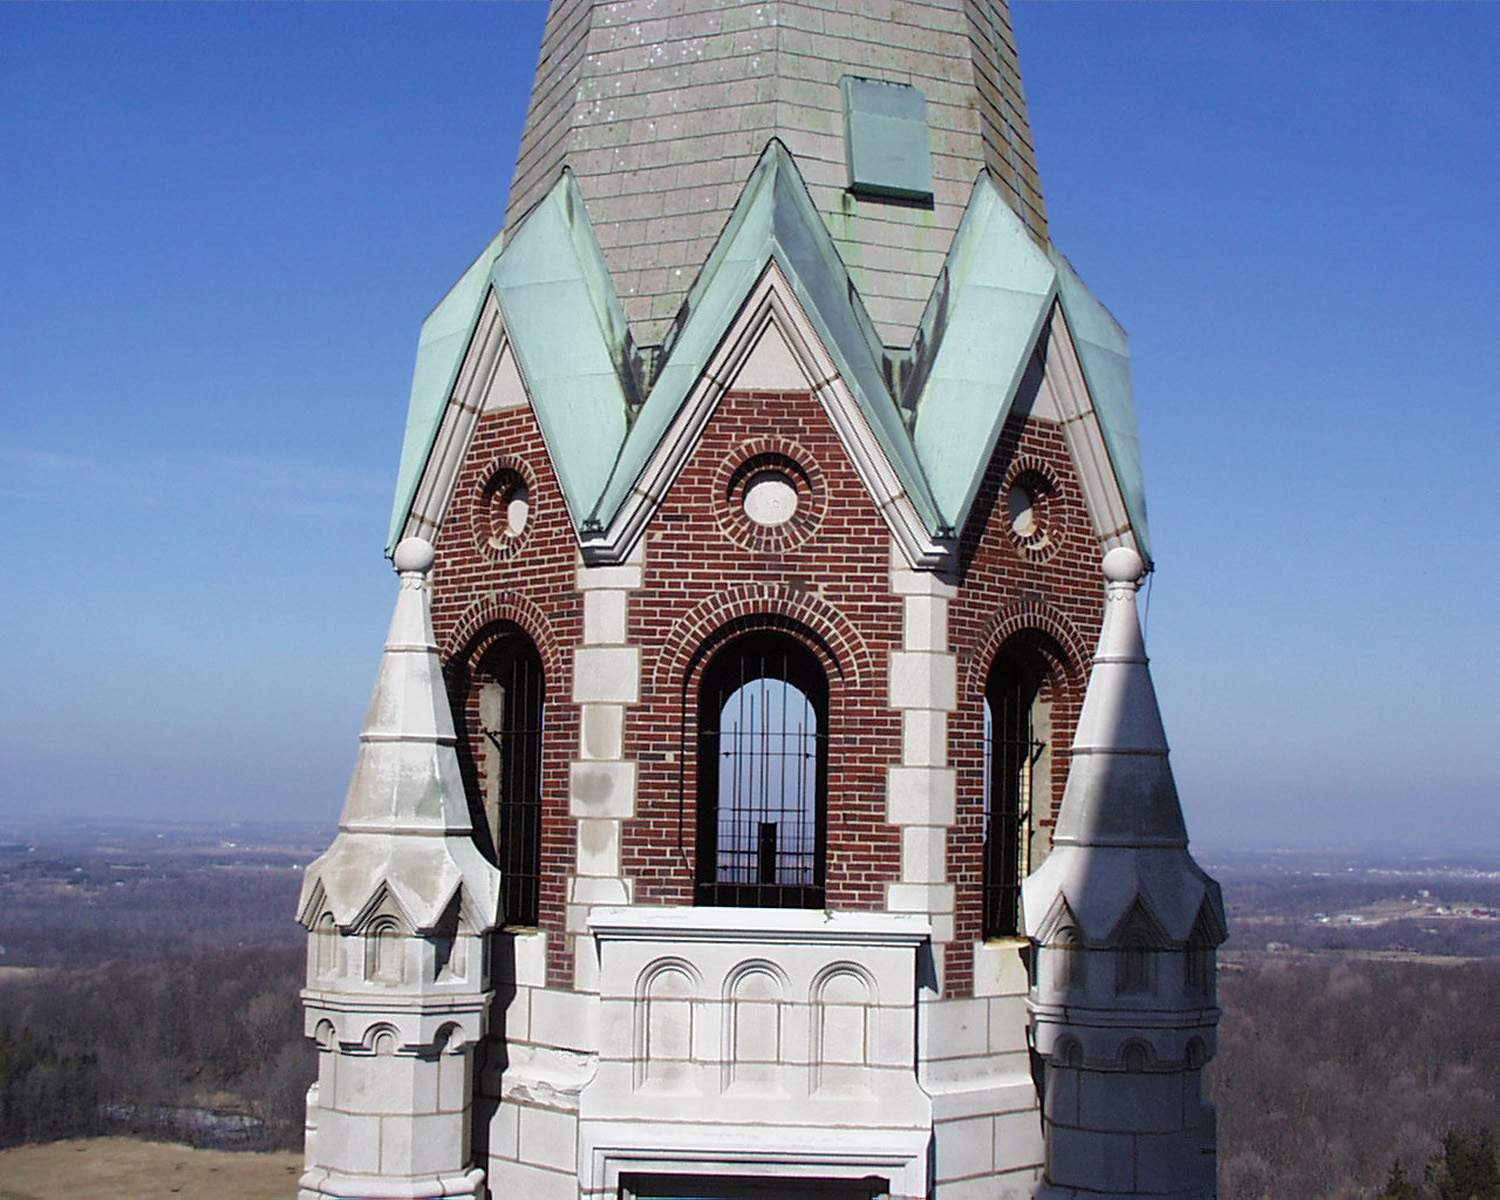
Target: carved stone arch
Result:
[[752, 1034], [753, 966], [1067, 1052], [746, 608], [449, 1039], [1140, 926], [325, 940], [381, 1038], [665, 1023], [843, 1028], [1195, 1054], [385, 950], [833, 971], [1136, 1055]]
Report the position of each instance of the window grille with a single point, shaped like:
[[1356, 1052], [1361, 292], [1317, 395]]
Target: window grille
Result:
[[1011, 751], [511, 719], [762, 770]]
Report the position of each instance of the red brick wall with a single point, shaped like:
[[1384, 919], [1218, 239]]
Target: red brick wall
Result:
[[1051, 599], [531, 584], [830, 576], [824, 578]]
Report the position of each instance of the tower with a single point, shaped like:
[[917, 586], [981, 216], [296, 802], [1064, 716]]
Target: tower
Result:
[[767, 458], [396, 911], [1125, 926]]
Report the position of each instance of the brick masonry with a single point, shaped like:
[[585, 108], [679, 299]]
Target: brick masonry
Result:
[[827, 583]]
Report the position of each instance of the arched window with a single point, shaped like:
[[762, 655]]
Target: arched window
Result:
[[511, 696], [1013, 748], [762, 770]]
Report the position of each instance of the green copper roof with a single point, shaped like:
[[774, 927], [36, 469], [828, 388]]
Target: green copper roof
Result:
[[973, 346], [570, 341], [971, 350], [440, 351], [1104, 354], [773, 219]]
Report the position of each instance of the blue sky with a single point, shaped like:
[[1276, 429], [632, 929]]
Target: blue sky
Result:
[[223, 225]]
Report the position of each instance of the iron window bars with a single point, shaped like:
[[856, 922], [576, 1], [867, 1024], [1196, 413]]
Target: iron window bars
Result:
[[1011, 751], [762, 776], [514, 733]]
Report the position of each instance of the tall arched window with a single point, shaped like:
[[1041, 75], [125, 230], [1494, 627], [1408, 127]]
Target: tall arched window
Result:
[[1013, 748], [762, 771], [511, 696]]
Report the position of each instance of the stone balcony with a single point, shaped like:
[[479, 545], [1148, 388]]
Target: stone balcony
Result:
[[756, 1042]]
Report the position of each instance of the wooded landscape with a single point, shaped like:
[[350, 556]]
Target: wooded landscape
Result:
[[1340, 1072]]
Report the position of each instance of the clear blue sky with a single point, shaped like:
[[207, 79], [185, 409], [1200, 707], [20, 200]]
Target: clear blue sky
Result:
[[220, 227]]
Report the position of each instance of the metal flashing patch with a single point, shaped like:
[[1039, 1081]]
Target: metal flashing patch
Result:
[[886, 140]]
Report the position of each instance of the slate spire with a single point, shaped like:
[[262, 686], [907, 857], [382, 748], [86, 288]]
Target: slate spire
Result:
[[661, 113]]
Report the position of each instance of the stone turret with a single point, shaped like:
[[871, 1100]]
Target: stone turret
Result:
[[396, 912], [1124, 927]]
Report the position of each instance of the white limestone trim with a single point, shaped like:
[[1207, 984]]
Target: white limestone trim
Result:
[[771, 301], [477, 374], [601, 780], [998, 967], [662, 923], [1063, 377]]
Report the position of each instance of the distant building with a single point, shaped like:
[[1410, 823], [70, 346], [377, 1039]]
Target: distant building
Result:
[[749, 526]]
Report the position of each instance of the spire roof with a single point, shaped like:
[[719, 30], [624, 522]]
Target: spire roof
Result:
[[661, 111], [1120, 845], [405, 833]]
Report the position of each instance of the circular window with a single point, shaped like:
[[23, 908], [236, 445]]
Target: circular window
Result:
[[770, 495], [770, 498], [502, 513], [1030, 509]]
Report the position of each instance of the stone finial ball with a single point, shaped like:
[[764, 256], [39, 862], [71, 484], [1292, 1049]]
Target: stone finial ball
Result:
[[413, 554], [1123, 565]]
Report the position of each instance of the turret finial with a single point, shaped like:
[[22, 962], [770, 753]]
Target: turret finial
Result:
[[413, 555]]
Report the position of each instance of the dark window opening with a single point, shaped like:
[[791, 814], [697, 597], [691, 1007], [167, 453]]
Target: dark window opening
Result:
[[511, 698], [1012, 751], [709, 1187], [762, 771]]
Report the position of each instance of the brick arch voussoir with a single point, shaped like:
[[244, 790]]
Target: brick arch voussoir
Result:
[[1028, 616], [462, 647], [769, 606]]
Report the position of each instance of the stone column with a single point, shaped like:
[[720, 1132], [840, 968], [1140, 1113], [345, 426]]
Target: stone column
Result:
[[1124, 926], [396, 912]]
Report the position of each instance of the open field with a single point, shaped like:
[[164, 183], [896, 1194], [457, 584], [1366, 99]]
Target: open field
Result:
[[125, 1169]]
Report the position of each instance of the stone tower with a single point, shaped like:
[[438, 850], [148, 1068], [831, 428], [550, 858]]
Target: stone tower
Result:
[[396, 910], [767, 458], [1125, 926]]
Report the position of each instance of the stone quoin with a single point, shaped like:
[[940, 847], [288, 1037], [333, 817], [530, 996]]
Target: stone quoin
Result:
[[763, 792]]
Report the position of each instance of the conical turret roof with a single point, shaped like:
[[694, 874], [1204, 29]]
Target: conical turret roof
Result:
[[1119, 862], [405, 833]]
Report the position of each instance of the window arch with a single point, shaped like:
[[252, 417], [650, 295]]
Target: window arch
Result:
[[762, 775], [512, 695], [1015, 749]]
